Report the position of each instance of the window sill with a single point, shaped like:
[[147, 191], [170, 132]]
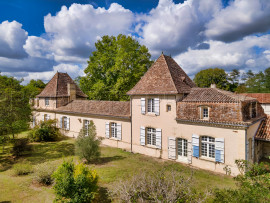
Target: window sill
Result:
[[151, 146], [151, 114], [207, 159], [113, 138]]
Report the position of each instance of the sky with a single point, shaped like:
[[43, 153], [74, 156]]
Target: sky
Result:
[[40, 37]]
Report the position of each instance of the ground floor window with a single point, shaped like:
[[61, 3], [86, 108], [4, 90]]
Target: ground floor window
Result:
[[182, 147], [65, 122], [114, 130], [208, 147], [46, 117], [86, 127], [151, 136]]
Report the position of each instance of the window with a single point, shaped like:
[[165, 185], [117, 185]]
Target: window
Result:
[[253, 110], [208, 147], [182, 147], [46, 101], [204, 112], [46, 117], [114, 130], [65, 122], [86, 127], [151, 105], [169, 107], [151, 136]]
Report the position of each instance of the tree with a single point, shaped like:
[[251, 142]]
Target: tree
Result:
[[256, 83], [233, 78], [15, 110], [34, 87], [87, 145], [206, 77], [114, 68], [267, 78]]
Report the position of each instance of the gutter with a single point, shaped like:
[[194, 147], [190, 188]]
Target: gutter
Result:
[[131, 123]]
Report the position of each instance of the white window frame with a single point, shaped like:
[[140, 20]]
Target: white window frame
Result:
[[151, 136], [151, 105], [208, 147], [204, 112], [47, 101], [65, 122], [182, 148], [86, 127], [113, 127]]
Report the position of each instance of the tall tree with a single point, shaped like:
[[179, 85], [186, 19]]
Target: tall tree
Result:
[[114, 68], [15, 110], [233, 78], [34, 87], [206, 77], [267, 78]]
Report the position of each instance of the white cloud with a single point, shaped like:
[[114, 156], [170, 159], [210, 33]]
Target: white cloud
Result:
[[175, 27], [239, 54], [12, 39], [239, 19]]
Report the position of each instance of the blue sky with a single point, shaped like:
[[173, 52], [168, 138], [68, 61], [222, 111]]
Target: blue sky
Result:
[[40, 37]]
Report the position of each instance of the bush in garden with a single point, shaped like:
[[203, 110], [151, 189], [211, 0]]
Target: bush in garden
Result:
[[75, 183], [22, 169], [253, 186], [88, 146], [43, 173], [157, 186], [20, 146], [45, 131]]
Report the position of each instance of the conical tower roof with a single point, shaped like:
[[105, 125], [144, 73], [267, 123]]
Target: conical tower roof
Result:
[[164, 77]]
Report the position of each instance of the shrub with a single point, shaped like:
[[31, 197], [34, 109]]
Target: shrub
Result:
[[21, 146], [75, 183], [157, 186], [88, 146], [43, 173], [45, 131], [22, 168], [253, 186]]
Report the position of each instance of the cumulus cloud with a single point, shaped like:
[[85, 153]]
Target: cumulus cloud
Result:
[[12, 39], [176, 27], [74, 30], [240, 55], [239, 19]]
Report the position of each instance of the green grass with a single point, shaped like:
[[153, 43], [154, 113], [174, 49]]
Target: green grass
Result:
[[114, 165]]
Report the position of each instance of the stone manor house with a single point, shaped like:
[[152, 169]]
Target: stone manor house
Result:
[[167, 117]]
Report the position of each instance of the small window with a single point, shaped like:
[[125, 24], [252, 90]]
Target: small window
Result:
[[181, 147], [169, 107], [208, 147], [46, 117], [47, 101], [86, 127], [151, 105], [204, 112], [253, 110], [65, 122], [151, 136], [114, 130]]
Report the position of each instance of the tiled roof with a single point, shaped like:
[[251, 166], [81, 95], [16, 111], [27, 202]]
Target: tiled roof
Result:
[[104, 108], [263, 98], [57, 87], [214, 95], [263, 132], [164, 77]]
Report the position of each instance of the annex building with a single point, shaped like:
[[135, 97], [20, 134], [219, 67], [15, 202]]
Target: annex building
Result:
[[167, 117]]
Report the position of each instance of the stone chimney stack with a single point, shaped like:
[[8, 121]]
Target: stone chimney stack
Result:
[[213, 86], [71, 91]]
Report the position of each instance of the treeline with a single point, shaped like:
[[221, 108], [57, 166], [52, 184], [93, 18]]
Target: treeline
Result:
[[235, 81]]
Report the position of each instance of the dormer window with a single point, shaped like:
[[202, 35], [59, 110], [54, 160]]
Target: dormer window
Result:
[[253, 110], [204, 113], [47, 101]]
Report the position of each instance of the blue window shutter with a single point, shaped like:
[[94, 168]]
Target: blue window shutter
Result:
[[196, 145], [219, 150]]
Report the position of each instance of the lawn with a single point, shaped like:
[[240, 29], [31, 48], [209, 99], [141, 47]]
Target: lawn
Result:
[[114, 165]]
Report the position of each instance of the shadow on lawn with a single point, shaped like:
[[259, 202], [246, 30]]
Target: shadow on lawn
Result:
[[104, 160], [103, 195]]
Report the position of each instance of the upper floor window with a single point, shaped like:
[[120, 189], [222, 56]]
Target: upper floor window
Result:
[[114, 130], [208, 147], [151, 136], [151, 105], [47, 101], [204, 112], [169, 107]]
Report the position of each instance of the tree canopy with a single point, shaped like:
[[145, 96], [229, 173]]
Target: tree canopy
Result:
[[114, 68], [15, 110], [34, 87]]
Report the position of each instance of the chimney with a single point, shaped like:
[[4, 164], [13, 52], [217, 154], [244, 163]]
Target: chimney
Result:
[[71, 91], [213, 86]]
